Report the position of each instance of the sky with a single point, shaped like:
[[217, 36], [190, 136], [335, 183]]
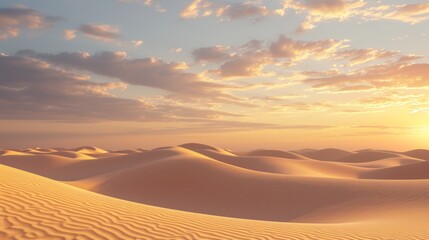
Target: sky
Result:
[[279, 74]]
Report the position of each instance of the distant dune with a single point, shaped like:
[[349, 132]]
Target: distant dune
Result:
[[93, 193], [418, 153], [329, 154], [275, 153], [367, 156]]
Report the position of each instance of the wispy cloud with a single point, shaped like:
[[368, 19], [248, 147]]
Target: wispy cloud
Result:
[[100, 31], [400, 74], [322, 10], [228, 12], [250, 59], [294, 50], [407, 13], [360, 56], [137, 43], [318, 11]]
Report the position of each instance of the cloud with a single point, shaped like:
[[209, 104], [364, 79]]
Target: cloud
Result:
[[245, 66], [381, 127], [150, 72], [250, 59], [380, 101], [216, 53], [407, 13], [197, 8], [399, 74], [176, 50], [321, 10], [33, 89], [137, 43], [245, 10], [317, 11], [326, 73], [13, 20], [360, 56], [100, 31], [279, 98], [69, 34], [356, 88], [172, 77], [269, 58], [229, 126], [412, 13], [392, 99], [304, 106], [233, 11], [420, 110], [286, 47]]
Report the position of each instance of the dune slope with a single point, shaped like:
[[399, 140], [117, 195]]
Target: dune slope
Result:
[[33, 207], [207, 186]]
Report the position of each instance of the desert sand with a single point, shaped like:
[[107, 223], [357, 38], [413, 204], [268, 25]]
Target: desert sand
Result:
[[196, 191]]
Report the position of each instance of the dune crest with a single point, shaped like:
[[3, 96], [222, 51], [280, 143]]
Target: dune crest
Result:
[[328, 154], [275, 153], [418, 153], [90, 150]]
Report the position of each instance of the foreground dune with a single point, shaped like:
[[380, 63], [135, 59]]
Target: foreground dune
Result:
[[265, 194], [34, 207]]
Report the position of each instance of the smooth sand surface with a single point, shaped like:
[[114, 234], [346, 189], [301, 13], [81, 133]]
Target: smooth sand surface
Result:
[[196, 191]]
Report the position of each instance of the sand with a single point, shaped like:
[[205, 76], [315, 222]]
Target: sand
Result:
[[195, 191]]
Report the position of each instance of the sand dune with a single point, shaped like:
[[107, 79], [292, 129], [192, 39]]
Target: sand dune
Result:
[[73, 155], [126, 152], [418, 153], [387, 162], [329, 154], [275, 153], [203, 149], [39, 150], [313, 194], [90, 150], [41, 164], [37, 208], [208, 186], [296, 166], [418, 170], [13, 153], [367, 156]]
